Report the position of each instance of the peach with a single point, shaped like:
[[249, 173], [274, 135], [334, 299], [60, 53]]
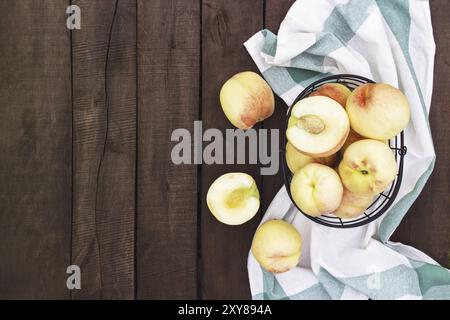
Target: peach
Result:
[[233, 198], [352, 205], [316, 189], [336, 91], [318, 126], [246, 99], [378, 111], [277, 246], [297, 160], [367, 167], [353, 136]]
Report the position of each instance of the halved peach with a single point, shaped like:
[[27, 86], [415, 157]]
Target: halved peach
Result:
[[318, 126]]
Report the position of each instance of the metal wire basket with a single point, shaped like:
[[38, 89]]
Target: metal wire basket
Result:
[[385, 199]]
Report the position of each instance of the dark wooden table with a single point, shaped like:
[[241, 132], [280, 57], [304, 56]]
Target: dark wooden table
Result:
[[85, 171]]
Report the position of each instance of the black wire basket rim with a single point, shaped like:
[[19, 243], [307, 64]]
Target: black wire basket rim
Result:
[[400, 151]]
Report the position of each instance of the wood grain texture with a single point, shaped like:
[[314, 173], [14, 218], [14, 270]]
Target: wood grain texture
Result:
[[224, 249], [85, 169], [168, 80], [427, 224], [35, 149], [104, 124]]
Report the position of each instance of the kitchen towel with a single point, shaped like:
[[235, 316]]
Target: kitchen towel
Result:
[[388, 41]]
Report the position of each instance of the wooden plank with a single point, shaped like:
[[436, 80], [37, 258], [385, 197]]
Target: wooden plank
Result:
[[168, 81], [35, 148], [104, 110], [275, 12], [427, 224], [224, 249]]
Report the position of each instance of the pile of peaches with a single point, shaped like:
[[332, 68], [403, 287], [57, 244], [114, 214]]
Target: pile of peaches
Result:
[[338, 147], [338, 153]]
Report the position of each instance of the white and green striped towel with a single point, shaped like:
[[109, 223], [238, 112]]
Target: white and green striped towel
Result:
[[388, 41]]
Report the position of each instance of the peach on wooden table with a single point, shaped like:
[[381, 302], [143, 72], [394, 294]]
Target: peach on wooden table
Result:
[[233, 198], [246, 99]]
